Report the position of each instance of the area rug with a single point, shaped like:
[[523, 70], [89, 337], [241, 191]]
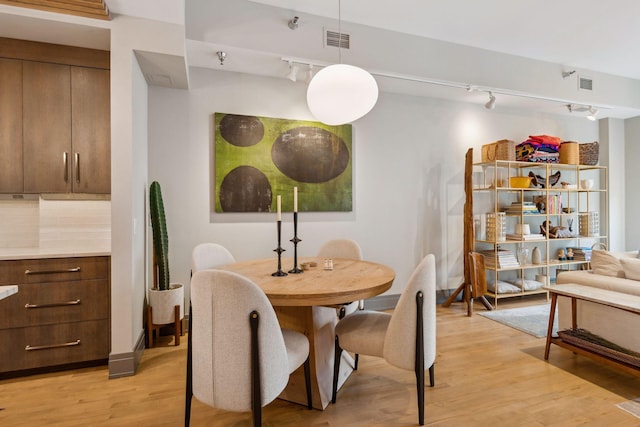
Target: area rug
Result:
[[631, 406], [533, 320]]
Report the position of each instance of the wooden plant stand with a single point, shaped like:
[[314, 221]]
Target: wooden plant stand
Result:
[[152, 328]]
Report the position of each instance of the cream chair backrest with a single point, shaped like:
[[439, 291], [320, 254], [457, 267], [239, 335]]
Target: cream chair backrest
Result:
[[221, 340], [210, 255], [340, 248], [400, 340]]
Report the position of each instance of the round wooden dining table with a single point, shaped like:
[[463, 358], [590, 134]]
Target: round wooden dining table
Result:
[[304, 302]]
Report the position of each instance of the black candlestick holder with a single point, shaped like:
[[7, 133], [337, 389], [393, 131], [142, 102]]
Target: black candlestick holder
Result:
[[279, 251], [295, 240]]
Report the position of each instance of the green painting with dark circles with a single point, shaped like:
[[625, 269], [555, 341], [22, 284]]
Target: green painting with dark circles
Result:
[[258, 158]]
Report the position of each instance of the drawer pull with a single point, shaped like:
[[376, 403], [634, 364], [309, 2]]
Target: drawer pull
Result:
[[45, 347], [68, 270], [59, 304]]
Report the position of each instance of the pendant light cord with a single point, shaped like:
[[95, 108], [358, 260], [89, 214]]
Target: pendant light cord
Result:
[[339, 32]]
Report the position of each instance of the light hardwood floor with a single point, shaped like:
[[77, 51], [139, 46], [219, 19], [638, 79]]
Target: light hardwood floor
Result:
[[487, 374]]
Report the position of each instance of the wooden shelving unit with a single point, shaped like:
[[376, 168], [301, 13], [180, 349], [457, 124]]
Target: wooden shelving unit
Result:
[[559, 205]]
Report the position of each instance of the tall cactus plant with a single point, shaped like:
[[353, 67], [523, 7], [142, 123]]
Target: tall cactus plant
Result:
[[160, 238]]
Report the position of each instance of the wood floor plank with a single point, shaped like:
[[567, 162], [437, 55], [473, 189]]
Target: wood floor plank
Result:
[[486, 374]]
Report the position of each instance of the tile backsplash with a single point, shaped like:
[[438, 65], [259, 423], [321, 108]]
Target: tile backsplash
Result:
[[53, 223]]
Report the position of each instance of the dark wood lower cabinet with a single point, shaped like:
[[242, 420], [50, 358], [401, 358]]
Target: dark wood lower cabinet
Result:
[[60, 315]]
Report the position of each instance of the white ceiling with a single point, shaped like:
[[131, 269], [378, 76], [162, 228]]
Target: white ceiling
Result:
[[585, 34], [592, 34]]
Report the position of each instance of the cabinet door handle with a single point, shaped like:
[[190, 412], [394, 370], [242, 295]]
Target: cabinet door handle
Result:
[[44, 347], [56, 304], [68, 270], [65, 161], [77, 167]]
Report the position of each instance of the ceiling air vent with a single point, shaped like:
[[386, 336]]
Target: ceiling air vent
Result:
[[585, 83], [334, 38]]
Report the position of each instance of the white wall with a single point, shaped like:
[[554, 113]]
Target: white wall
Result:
[[408, 171], [632, 161], [129, 173], [612, 154]]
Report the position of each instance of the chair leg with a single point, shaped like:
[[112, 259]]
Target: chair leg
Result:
[[176, 325], [432, 381], [307, 380], [336, 369], [189, 392], [419, 356], [256, 396]]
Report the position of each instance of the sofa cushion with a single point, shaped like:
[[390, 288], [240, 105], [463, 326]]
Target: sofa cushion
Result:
[[605, 263], [631, 268]]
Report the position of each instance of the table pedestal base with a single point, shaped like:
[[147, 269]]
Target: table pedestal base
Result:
[[318, 324]]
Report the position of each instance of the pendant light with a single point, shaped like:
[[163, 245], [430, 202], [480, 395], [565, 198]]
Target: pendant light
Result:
[[341, 93]]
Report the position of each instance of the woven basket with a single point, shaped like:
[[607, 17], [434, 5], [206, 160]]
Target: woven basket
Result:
[[589, 153], [499, 150], [569, 153]]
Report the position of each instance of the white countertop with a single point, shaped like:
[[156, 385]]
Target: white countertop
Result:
[[5, 291], [63, 251]]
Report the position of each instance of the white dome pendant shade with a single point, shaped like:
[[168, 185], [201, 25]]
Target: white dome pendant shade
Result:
[[341, 93]]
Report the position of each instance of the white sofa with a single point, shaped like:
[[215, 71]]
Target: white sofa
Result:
[[618, 272]]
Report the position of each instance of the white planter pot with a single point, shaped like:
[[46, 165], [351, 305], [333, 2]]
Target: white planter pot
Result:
[[163, 303]]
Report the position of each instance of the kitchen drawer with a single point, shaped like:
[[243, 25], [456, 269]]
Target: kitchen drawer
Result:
[[38, 304], [10, 273], [64, 269], [51, 345]]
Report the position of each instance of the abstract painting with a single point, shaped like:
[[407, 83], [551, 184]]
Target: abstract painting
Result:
[[258, 158]]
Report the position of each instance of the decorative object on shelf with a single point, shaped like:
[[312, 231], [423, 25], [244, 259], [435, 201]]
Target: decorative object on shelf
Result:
[[538, 180], [586, 184], [589, 224], [504, 149], [496, 227], [569, 254], [523, 255], [570, 223], [561, 255], [553, 232], [520, 181], [589, 153], [166, 299], [569, 153], [536, 257], [295, 240], [279, 250]]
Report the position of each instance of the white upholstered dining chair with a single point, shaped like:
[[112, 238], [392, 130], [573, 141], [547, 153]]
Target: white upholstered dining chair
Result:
[[405, 339], [350, 249], [241, 359], [343, 248], [210, 255]]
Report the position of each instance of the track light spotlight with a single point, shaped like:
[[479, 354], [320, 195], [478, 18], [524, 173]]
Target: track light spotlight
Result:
[[293, 23], [491, 103], [293, 71], [592, 112], [221, 56]]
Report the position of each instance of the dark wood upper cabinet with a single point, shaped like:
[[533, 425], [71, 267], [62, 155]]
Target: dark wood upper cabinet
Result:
[[55, 125], [46, 127], [90, 130], [11, 172]]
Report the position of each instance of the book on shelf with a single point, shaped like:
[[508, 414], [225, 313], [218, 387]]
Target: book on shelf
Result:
[[581, 253], [501, 258], [521, 208], [525, 237]]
